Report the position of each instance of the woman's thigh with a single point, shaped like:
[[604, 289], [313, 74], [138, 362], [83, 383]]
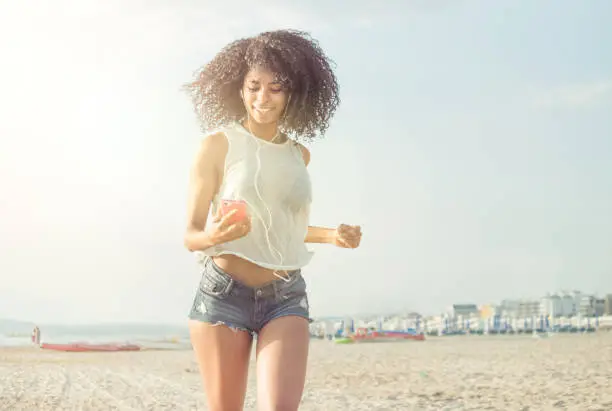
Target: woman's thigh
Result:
[[282, 354], [282, 347], [221, 335], [223, 355]]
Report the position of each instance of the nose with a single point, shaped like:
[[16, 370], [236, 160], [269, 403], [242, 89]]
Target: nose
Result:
[[263, 95]]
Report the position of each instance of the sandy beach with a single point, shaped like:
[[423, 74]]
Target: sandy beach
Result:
[[571, 372]]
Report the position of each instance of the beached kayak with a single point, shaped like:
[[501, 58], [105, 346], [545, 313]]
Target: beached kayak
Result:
[[83, 347], [404, 335], [364, 335]]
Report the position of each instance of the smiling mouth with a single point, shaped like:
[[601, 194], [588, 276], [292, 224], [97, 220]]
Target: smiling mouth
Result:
[[263, 109]]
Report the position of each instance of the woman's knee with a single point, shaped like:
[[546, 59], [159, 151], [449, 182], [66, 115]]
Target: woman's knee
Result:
[[283, 404]]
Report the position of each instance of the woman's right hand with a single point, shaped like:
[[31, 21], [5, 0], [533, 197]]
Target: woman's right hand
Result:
[[223, 228]]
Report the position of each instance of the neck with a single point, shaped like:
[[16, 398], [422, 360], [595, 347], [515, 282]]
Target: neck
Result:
[[266, 132]]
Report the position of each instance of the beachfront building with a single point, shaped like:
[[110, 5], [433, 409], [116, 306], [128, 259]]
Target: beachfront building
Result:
[[599, 307], [519, 308], [464, 311], [528, 309], [564, 304], [595, 307], [508, 308], [551, 305], [403, 322], [608, 305], [412, 320], [591, 306], [573, 300], [569, 305], [586, 308], [458, 317], [489, 311]]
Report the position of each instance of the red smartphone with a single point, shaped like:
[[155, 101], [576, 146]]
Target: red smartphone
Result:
[[239, 205]]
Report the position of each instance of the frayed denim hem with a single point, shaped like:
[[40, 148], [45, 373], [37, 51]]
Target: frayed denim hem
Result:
[[232, 327]]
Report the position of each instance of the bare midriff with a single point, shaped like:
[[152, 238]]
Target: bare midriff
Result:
[[245, 271]]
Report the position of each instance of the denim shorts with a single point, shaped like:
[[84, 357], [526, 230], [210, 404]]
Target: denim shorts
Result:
[[221, 299]]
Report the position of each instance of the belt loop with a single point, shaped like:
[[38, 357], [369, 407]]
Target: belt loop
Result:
[[229, 286], [203, 266]]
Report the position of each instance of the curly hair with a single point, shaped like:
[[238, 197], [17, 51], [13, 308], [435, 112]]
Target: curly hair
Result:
[[299, 64]]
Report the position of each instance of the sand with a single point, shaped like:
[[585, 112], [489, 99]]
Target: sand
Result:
[[571, 372]]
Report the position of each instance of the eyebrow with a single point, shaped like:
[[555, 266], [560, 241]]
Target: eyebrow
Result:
[[275, 82]]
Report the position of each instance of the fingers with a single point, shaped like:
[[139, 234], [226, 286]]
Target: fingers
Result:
[[226, 220], [349, 230], [343, 243], [349, 243], [217, 215], [349, 236], [236, 229], [242, 228]]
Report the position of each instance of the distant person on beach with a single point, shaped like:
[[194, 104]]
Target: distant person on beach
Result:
[[36, 335], [248, 214]]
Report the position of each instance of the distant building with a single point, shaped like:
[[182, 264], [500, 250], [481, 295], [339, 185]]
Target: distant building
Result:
[[464, 310], [608, 305], [587, 306], [528, 309], [519, 309], [488, 310], [599, 306], [413, 316], [568, 305], [551, 305], [571, 301], [508, 308], [591, 306], [577, 295]]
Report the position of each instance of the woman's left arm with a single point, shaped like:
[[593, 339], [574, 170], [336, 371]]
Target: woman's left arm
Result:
[[320, 235], [344, 236]]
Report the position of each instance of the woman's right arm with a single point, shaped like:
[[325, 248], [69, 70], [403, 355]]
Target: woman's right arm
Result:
[[204, 182]]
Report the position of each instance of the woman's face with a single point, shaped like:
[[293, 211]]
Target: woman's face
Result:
[[263, 96]]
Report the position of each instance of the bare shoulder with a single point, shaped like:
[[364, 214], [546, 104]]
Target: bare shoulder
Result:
[[212, 150], [214, 143], [305, 152]]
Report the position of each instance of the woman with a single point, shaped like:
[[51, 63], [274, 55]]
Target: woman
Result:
[[258, 95]]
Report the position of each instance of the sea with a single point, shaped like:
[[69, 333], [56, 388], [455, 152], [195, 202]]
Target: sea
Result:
[[161, 336]]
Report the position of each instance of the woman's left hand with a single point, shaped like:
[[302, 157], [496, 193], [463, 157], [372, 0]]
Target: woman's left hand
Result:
[[347, 236]]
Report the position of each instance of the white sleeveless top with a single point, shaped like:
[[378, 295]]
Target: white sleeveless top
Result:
[[274, 182]]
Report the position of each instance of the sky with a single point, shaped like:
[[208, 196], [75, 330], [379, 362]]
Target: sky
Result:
[[473, 144]]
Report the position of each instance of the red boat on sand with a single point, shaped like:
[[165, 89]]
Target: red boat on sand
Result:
[[404, 335], [84, 347], [364, 334]]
